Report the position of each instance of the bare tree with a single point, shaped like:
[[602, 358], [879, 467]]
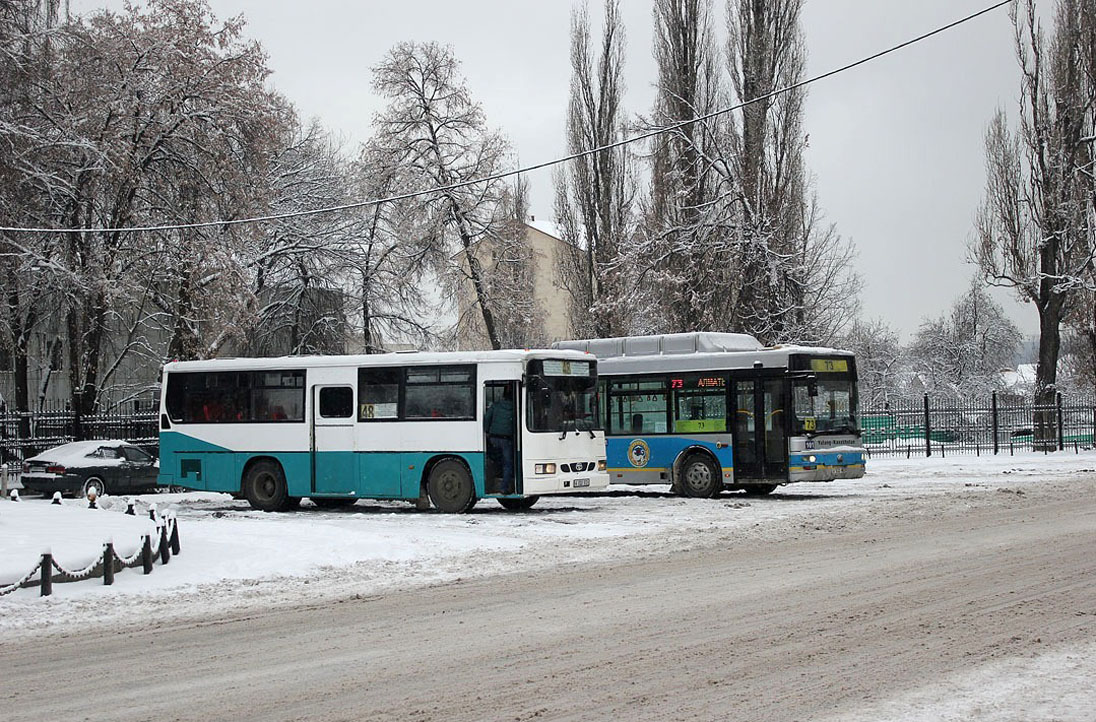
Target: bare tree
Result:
[[880, 361], [29, 30], [794, 280], [389, 259], [596, 193], [434, 128], [687, 228], [962, 353], [1035, 229]]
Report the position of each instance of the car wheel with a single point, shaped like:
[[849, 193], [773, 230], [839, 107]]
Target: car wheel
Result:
[[450, 487], [526, 502], [700, 477], [96, 483], [265, 488]]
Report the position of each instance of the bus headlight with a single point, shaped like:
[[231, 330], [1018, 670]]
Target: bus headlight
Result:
[[545, 468], [601, 465]]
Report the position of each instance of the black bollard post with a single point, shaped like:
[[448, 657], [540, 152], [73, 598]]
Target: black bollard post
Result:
[[152, 512], [56, 498], [174, 535], [146, 555], [108, 563], [165, 552], [129, 508], [47, 574]]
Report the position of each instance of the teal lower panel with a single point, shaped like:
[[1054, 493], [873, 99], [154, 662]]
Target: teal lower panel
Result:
[[368, 475], [414, 464]]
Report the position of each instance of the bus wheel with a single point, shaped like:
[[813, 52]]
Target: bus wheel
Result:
[[760, 489], [699, 477], [450, 487], [333, 503], [264, 487], [524, 502]]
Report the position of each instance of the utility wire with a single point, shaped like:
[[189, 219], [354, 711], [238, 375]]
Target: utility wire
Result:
[[527, 169]]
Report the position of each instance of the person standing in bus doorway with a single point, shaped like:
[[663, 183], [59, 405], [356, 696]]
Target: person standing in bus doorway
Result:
[[500, 437]]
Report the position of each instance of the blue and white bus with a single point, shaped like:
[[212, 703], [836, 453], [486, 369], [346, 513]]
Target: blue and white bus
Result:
[[390, 426], [705, 412]]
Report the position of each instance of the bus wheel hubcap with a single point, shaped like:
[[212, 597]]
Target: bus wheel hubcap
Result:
[[450, 485], [266, 486], [697, 476]]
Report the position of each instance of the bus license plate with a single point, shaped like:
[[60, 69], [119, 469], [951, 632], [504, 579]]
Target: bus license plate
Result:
[[581, 482]]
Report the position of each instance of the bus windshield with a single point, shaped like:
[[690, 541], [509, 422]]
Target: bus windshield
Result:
[[561, 395], [831, 408]]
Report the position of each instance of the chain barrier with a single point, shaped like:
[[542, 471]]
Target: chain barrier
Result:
[[167, 543], [68, 576], [12, 587]]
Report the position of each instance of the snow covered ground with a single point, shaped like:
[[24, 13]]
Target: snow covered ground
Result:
[[233, 557]]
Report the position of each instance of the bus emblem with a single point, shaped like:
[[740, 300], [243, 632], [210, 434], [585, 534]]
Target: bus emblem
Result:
[[639, 453]]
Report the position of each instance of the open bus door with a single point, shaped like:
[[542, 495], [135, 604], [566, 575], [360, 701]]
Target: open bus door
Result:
[[760, 437], [494, 391]]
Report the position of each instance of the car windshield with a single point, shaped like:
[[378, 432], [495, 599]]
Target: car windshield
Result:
[[561, 395]]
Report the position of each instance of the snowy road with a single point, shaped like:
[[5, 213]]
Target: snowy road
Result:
[[958, 591]]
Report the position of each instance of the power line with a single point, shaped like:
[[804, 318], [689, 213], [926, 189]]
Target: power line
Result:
[[526, 169]]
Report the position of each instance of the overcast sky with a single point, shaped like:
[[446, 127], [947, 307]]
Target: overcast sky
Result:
[[896, 146]]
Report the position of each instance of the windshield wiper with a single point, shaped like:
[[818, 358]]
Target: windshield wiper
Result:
[[563, 430], [589, 428]]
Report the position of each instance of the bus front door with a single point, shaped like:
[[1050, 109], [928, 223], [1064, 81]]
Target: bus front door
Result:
[[760, 443], [334, 464]]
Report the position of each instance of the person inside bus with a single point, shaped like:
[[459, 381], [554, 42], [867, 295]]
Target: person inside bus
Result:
[[499, 423]]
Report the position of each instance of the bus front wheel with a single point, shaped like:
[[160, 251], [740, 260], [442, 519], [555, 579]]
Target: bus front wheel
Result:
[[450, 487], [525, 502], [700, 477], [265, 488]]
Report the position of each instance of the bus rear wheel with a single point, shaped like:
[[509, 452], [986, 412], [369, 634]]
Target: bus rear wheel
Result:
[[700, 477], [265, 488], [525, 502], [450, 487]]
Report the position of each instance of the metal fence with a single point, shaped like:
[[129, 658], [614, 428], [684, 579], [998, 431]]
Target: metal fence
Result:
[[24, 434], [935, 427], [920, 427]]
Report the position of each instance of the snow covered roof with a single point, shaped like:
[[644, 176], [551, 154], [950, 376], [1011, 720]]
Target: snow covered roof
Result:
[[697, 351], [402, 358], [666, 343], [555, 230], [548, 228], [76, 450], [1022, 377]]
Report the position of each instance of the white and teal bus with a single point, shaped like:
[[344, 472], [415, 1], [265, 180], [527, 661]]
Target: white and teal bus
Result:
[[705, 412], [390, 426]]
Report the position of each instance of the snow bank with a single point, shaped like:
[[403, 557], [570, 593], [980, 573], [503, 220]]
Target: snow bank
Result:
[[232, 555]]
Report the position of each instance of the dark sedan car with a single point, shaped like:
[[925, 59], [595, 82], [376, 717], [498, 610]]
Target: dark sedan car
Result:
[[110, 467]]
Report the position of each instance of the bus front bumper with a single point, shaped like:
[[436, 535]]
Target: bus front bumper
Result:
[[560, 483]]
